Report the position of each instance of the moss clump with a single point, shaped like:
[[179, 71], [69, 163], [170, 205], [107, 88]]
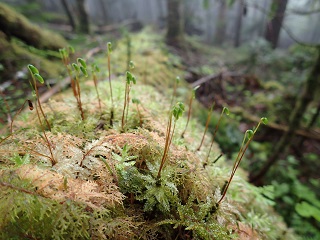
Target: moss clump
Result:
[[105, 183]]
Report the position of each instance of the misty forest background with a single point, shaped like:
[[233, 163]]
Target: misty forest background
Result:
[[259, 58]]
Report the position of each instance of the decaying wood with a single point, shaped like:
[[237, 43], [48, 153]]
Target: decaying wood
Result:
[[15, 24]]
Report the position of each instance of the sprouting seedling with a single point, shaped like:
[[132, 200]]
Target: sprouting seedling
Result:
[[227, 112], [95, 69], [193, 95], [36, 76], [131, 67], [206, 127], [77, 68], [175, 113], [65, 57], [130, 78], [137, 102], [244, 146], [109, 46], [174, 93]]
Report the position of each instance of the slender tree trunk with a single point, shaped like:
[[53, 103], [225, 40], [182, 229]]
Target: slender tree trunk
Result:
[[221, 24], [83, 17], [69, 14], [311, 87], [174, 23], [273, 27], [238, 26], [104, 11]]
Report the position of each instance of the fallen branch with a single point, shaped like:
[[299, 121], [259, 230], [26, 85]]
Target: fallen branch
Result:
[[215, 76], [311, 134]]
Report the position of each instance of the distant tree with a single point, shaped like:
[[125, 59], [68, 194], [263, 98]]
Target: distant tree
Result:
[[311, 89], [83, 17], [69, 14], [174, 23], [104, 11], [220, 32], [238, 25], [272, 32]]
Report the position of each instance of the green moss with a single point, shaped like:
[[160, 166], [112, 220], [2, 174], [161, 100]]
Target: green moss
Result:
[[105, 183]]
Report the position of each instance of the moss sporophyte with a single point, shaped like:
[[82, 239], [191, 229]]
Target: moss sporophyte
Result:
[[40, 114], [248, 137]]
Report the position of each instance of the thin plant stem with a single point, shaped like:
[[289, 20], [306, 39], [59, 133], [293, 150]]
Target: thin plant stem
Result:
[[215, 131], [240, 155], [166, 146], [189, 115], [206, 127]]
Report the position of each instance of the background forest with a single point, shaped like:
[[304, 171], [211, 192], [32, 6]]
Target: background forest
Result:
[[258, 58]]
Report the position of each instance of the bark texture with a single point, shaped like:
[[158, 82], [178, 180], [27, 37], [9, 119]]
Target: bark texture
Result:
[[174, 23], [273, 27]]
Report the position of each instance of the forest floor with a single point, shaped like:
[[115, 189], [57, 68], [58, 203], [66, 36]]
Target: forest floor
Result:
[[252, 82]]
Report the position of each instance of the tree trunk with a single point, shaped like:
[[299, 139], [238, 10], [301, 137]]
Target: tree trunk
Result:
[[174, 23], [69, 14], [104, 12], [221, 24], [308, 94], [83, 17], [273, 27], [238, 25]]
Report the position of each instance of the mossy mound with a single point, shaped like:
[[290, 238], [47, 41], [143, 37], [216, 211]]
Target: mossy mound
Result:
[[15, 24], [102, 181]]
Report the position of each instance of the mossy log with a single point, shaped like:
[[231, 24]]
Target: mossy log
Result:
[[16, 25]]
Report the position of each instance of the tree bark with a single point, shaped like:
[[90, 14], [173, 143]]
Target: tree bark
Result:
[[69, 15], [83, 17], [238, 26], [221, 24], [310, 89], [273, 27], [174, 23]]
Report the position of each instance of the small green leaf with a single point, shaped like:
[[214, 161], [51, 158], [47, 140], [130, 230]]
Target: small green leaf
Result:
[[82, 62], [71, 49], [96, 68], [305, 209], [109, 45], [136, 101], [61, 53], [39, 78], [178, 110], [226, 111], [249, 134], [264, 120], [131, 65], [84, 71], [33, 69], [76, 67]]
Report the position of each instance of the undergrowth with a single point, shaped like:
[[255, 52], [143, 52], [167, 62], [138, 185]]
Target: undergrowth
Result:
[[106, 184]]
